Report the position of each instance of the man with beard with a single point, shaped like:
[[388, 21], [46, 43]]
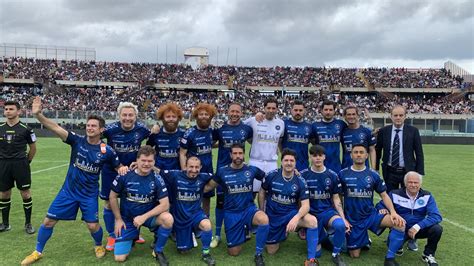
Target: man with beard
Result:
[[265, 140], [125, 137], [298, 134], [197, 141], [354, 133], [329, 131], [167, 141], [233, 131], [236, 180]]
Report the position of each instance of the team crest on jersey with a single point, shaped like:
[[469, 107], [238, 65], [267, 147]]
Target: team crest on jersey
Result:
[[337, 126], [277, 127], [294, 187], [98, 155], [137, 137], [420, 202], [242, 132], [362, 135], [327, 181], [152, 185], [307, 129], [369, 181], [247, 173]]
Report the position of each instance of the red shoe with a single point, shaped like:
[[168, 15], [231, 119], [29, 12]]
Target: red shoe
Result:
[[110, 243], [140, 240]]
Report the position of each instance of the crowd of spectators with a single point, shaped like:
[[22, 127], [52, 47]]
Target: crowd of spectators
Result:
[[72, 99], [237, 77]]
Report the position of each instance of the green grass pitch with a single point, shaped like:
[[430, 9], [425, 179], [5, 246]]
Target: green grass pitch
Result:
[[449, 177]]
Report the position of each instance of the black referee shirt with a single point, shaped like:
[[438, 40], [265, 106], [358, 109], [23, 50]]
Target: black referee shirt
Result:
[[13, 140]]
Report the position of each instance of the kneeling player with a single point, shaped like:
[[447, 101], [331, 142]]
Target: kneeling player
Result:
[[324, 188], [287, 206], [358, 186], [236, 180], [143, 202], [187, 188]]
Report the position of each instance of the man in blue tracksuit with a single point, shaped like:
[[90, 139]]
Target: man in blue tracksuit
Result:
[[418, 208]]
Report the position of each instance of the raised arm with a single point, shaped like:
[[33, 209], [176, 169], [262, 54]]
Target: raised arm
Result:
[[48, 123]]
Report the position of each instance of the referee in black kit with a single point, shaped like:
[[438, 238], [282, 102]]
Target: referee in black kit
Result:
[[15, 164]]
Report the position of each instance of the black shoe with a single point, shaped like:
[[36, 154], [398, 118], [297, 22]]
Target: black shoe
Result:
[[390, 262], [430, 260], [29, 229], [259, 260], [207, 258], [5, 227], [399, 252], [161, 259], [338, 260]]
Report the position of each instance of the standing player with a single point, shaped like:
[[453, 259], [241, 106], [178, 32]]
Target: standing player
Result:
[[81, 187], [15, 164], [287, 206], [324, 188], [143, 202], [197, 141], [354, 133], [233, 131], [236, 180], [265, 140], [298, 134], [186, 187], [167, 141], [125, 137], [358, 186], [329, 131]]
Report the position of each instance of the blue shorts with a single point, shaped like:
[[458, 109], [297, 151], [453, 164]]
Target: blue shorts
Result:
[[235, 223], [278, 225], [106, 180], [65, 207], [184, 238], [359, 236], [323, 220], [123, 243]]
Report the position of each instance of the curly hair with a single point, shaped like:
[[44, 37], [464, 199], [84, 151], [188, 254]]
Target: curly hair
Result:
[[209, 108], [169, 107]]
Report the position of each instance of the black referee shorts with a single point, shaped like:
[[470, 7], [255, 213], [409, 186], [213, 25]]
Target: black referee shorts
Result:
[[15, 171]]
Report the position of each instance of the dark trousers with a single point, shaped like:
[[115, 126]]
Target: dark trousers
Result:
[[433, 234], [393, 178]]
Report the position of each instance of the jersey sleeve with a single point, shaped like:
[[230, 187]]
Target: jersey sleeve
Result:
[[304, 192], [336, 184], [379, 183], [259, 174], [162, 191], [166, 175], [31, 136], [151, 140], [72, 138], [217, 177], [371, 137], [117, 184], [249, 131], [112, 158], [267, 181], [186, 140]]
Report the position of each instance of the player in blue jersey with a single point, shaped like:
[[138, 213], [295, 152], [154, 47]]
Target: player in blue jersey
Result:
[[186, 187], [287, 206], [236, 180], [167, 141], [143, 202], [329, 130], [355, 133], [233, 131], [358, 186], [81, 186], [125, 137], [197, 141]]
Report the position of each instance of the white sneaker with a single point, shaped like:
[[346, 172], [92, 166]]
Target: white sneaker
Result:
[[215, 241], [195, 243], [430, 260]]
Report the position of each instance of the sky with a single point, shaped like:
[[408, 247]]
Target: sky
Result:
[[332, 33]]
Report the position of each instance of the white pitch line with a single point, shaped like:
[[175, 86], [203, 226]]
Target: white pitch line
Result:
[[468, 229], [51, 168]]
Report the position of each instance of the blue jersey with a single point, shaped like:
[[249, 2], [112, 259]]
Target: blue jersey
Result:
[[199, 143], [361, 135], [167, 149], [126, 142], [330, 138], [237, 185], [297, 136], [283, 195], [321, 186], [85, 164], [186, 193], [358, 189], [138, 194], [228, 135]]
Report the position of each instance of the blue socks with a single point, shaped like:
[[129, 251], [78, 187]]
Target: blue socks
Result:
[[206, 237], [44, 233], [219, 221], [261, 238], [339, 235], [162, 236], [395, 239], [312, 241], [97, 236], [109, 220]]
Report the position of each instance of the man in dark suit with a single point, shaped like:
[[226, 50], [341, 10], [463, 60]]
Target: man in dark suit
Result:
[[402, 150]]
